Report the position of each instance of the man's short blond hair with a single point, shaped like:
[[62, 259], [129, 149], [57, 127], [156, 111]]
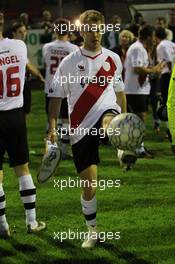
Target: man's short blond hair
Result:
[[91, 16], [128, 33]]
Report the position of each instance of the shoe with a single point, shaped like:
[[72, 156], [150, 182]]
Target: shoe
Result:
[[50, 161], [4, 234], [146, 154], [35, 229], [91, 238], [127, 159]]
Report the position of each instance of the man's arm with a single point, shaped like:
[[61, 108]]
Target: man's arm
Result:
[[171, 108], [54, 111], [121, 101], [147, 70]]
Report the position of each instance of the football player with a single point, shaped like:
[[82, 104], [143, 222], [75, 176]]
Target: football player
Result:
[[137, 86], [165, 52], [53, 53], [13, 138], [95, 74]]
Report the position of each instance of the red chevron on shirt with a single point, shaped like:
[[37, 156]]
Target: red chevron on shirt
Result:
[[91, 94]]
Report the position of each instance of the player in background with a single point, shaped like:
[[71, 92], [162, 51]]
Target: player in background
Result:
[[53, 53], [95, 97], [171, 109], [19, 32], [137, 86], [13, 137], [165, 52]]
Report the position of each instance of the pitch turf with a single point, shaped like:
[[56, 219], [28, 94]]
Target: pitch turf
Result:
[[142, 209]]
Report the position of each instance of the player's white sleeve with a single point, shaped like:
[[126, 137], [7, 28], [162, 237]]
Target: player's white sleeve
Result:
[[59, 85], [163, 54], [136, 58], [118, 81]]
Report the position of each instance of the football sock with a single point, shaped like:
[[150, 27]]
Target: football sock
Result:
[[89, 209], [65, 138], [28, 195], [3, 221]]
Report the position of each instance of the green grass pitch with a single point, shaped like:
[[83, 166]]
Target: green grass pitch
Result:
[[142, 209]]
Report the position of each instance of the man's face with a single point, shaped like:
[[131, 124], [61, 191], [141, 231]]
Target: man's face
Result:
[[47, 16], [20, 33], [92, 37], [124, 39], [160, 24]]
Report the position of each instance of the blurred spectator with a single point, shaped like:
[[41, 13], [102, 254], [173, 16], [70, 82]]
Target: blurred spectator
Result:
[[137, 23], [126, 38], [47, 25], [162, 23], [171, 25], [46, 22], [24, 18], [111, 38]]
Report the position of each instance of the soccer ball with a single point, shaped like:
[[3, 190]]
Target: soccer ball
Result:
[[126, 131]]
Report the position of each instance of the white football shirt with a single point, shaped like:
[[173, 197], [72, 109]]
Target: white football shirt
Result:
[[136, 56], [53, 53], [89, 81], [166, 52], [13, 60]]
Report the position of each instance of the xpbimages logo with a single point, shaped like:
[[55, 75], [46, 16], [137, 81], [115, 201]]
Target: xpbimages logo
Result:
[[82, 131], [101, 28], [101, 184], [78, 235]]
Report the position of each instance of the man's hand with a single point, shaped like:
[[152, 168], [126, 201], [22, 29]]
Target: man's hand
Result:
[[159, 67], [173, 149]]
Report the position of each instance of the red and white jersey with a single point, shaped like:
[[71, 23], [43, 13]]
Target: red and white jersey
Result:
[[136, 56], [166, 52], [13, 60], [89, 80], [53, 53]]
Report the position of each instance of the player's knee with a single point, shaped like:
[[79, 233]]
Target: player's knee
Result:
[[22, 170], [106, 120]]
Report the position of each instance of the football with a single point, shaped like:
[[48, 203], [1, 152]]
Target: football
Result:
[[126, 131]]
